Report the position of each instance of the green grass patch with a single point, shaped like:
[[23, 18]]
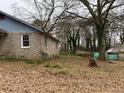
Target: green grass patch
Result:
[[10, 59], [29, 61], [57, 66], [63, 72], [47, 65]]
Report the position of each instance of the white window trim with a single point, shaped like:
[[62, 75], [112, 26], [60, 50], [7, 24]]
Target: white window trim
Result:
[[22, 42]]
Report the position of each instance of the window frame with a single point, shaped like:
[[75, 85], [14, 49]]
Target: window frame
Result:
[[22, 43]]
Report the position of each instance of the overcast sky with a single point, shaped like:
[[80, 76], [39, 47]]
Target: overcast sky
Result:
[[6, 5]]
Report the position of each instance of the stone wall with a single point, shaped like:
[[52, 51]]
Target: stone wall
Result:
[[10, 45], [5, 44]]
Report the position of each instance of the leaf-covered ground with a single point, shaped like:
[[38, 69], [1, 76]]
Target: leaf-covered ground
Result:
[[63, 75]]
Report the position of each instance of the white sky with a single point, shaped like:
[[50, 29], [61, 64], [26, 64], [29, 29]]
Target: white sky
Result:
[[6, 5]]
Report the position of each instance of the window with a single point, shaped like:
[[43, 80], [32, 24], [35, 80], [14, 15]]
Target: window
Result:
[[25, 41]]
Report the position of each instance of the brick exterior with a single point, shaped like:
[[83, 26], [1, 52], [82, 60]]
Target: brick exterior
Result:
[[10, 45]]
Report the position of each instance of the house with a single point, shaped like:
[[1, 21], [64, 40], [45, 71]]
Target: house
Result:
[[116, 52], [21, 40], [119, 48]]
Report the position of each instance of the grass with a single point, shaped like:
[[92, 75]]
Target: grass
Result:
[[53, 66], [29, 61], [70, 73], [66, 65], [33, 63], [74, 65], [63, 72], [10, 59]]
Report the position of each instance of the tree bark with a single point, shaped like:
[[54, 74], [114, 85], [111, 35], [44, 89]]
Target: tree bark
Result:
[[101, 45]]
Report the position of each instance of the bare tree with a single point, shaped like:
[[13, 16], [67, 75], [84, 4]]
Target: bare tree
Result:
[[45, 14], [98, 14], [70, 33]]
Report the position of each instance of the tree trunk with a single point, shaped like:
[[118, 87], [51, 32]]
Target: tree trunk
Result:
[[91, 45], [88, 40], [94, 44], [70, 45], [74, 46], [101, 45]]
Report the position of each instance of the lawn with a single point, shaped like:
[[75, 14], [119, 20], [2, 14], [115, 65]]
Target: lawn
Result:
[[67, 74]]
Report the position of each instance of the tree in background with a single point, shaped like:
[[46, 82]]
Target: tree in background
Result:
[[70, 33], [47, 14], [98, 13]]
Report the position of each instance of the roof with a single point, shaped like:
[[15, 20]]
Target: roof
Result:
[[2, 31], [29, 25], [116, 49]]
